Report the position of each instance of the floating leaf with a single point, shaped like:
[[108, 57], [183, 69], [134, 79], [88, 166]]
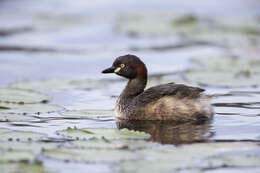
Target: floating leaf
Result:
[[186, 20], [114, 144], [30, 108], [140, 23], [44, 85], [21, 96], [221, 79], [208, 155], [108, 133], [55, 84], [4, 107], [18, 167], [141, 166], [225, 71], [13, 135], [90, 155], [167, 23], [15, 117], [16, 156], [96, 114], [227, 32], [35, 147]]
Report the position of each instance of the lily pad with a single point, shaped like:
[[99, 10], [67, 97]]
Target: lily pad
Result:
[[13, 135], [30, 108], [228, 39], [55, 84], [18, 167], [141, 166], [108, 133], [90, 155], [35, 147], [14, 117], [114, 144], [225, 71], [233, 33], [94, 114], [22, 96], [223, 32], [196, 157], [16, 156], [166, 23], [44, 85]]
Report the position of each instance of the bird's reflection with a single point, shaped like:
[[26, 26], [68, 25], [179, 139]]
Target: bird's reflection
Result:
[[168, 132]]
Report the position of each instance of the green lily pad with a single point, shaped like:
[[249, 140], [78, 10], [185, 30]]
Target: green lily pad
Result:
[[95, 114], [114, 144], [195, 157], [14, 117], [54, 84], [16, 156], [233, 33], [22, 96], [18, 167], [47, 21], [44, 85], [141, 166], [90, 155], [227, 39], [108, 133], [166, 23], [240, 160], [30, 108], [4, 107], [35, 147], [225, 71], [13, 135], [227, 32], [140, 23], [221, 79]]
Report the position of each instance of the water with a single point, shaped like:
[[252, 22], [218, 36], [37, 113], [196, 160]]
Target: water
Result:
[[66, 40]]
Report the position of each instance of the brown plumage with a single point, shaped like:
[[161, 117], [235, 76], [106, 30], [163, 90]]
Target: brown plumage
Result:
[[170, 101], [179, 91]]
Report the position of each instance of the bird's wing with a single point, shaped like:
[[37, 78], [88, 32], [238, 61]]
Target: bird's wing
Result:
[[176, 90]]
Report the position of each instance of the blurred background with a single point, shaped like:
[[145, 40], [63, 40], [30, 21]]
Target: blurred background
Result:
[[60, 47], [63, 39]]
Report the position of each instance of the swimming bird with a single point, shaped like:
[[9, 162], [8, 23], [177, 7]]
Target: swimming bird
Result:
[[176, 102]]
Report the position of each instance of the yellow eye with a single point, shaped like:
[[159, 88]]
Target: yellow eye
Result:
[[122, 65]]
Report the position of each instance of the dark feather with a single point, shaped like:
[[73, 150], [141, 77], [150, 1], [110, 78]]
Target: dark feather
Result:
[[171, 89]]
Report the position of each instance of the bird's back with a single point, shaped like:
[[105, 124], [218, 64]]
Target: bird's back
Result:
[[170, 101]]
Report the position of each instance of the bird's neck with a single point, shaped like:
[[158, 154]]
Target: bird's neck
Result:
[[134, 87]]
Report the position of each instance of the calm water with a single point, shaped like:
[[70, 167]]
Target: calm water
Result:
[[69, 40]]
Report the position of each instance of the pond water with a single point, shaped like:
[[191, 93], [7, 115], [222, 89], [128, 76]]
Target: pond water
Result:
[[56, 108]]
